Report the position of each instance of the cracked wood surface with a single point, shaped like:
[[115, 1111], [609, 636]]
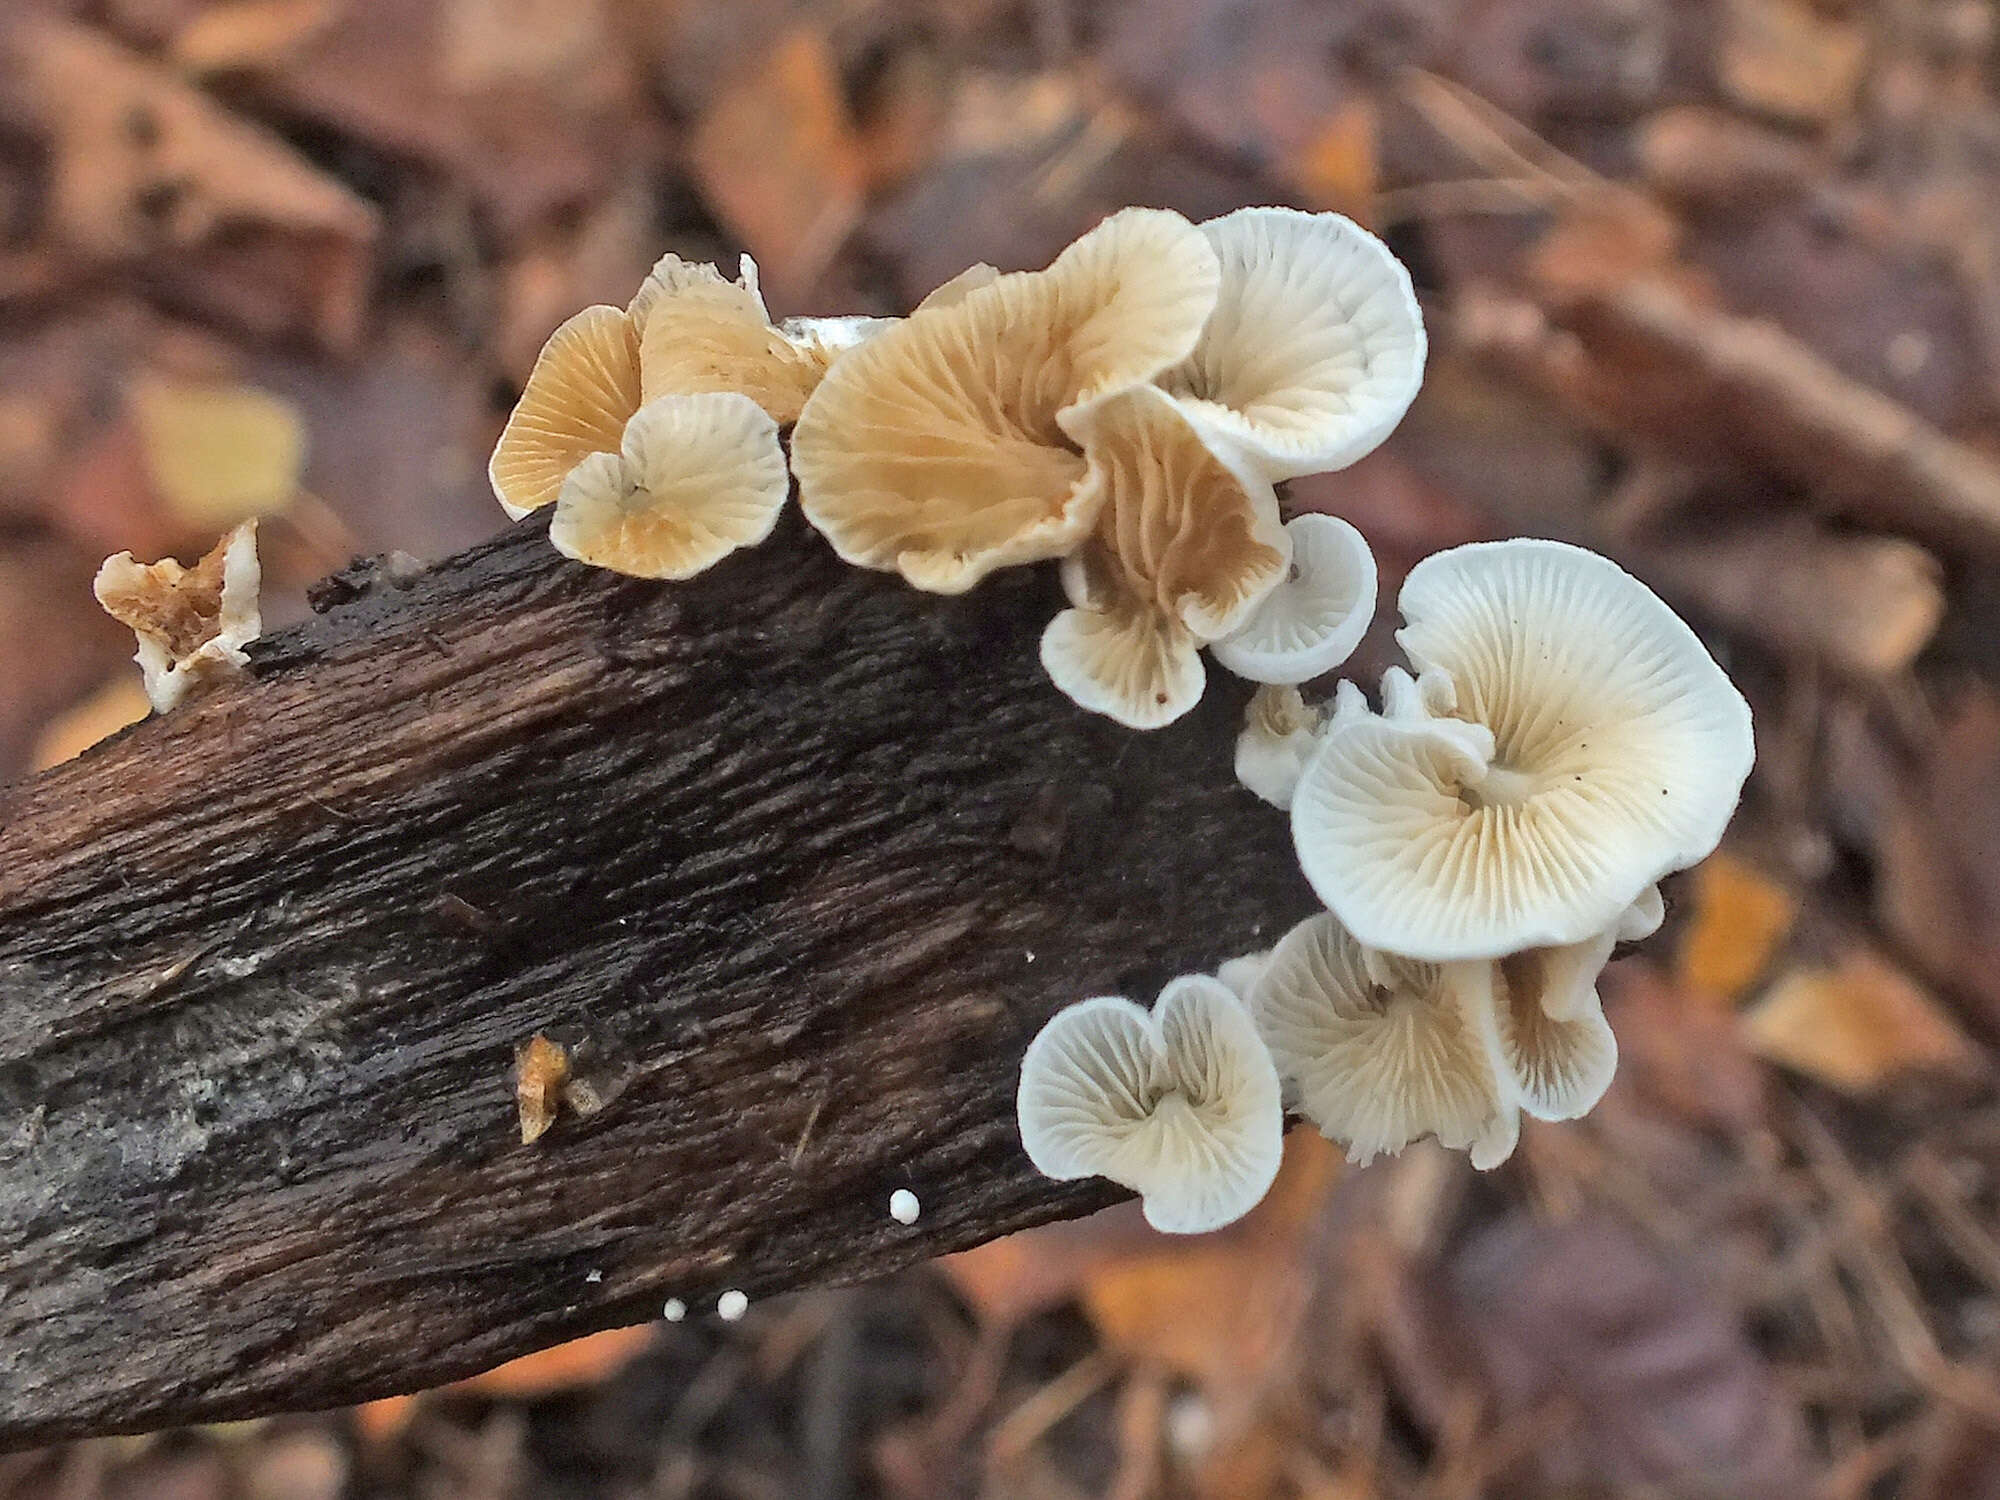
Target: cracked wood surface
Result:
[[799, 857]]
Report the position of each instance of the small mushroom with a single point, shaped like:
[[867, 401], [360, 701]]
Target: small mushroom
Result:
[[1312, 621], [579, 396], [1316, 345], [943, 447], [1553, 1069], [1186, 544], [1593, 746], [1240, 973], [1379, 1048], [700, 333], [954, 291], [1181, 1105], [192, 623], [1279, 734], [695, 478]]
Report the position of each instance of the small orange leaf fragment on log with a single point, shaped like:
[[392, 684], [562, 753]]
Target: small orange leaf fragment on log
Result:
[[1857, 1026], [541, 1068]]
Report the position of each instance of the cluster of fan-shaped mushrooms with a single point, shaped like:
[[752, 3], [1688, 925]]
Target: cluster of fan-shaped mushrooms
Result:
[[1481, 842], [1127, 410]]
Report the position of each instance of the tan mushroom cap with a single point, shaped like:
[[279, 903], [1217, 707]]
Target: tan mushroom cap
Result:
[[1594, 746], [1316, 347], [1379, 1048], [695, 478], [940, 448], [1185, 546], [701, 333], [582, 391], [1182, 1104]]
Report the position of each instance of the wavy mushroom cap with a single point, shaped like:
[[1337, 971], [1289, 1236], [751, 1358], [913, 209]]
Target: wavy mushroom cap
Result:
[[1378, 1047], [695, 478], [1554, 1069], [1596, 747], [701, 333], [938, 448], [1278, 736], [1312, 621], [1186, 544], [191, 623], [579, 396], [1316, 345], [1180, 1105], [956, 290]]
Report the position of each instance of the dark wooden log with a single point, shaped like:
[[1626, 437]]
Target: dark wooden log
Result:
[[799, 856]]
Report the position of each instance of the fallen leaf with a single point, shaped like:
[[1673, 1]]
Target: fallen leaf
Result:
[[1741, 916], [778, 159], [148, 171], [1857, 1026], [1338, 166], [1791, 59], [1679, 1054], [1662, 1388], [249, 33], [120, 702], [218, 453], [541, 1068], [584, 1361]]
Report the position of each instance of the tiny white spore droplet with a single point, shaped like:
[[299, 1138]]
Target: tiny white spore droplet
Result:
[[675, 1310], [903, 1206], [731, 1305]]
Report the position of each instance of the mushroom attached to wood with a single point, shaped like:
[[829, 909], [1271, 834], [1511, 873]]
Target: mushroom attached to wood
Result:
[[1315, 617], [694, 478], [1315, 348], [1280, 731], [192, 623], [1186, 545], [946, 446], [1181, 1104], [1379, 1049], [1592, 746]]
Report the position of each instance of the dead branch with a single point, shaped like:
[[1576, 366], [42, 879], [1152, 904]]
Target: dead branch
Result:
[[793, 858]]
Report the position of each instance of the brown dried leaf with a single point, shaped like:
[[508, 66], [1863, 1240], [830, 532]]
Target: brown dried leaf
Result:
[[1790, 59], [145, 168], [1741, 916], [778, 158], [1857, 1026]]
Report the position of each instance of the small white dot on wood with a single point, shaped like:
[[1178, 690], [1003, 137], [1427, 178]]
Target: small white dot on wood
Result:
[[731, 1305], [675, 1310], [903, 1206]]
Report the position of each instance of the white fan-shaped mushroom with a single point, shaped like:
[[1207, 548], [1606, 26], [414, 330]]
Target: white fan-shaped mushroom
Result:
[[1316, 345], [1181, 1105], [695, 478], [1553, 1069], [1594, 747], [1379, 1058], [1278, 736], [1312, 621]]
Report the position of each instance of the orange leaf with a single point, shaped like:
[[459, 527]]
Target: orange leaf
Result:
[[1857, 1026], [1740, 918]]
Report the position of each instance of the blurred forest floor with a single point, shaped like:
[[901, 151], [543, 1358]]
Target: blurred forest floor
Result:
[[1714, 287]]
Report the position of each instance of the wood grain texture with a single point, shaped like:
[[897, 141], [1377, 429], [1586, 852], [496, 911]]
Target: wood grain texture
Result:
[[800, 856]]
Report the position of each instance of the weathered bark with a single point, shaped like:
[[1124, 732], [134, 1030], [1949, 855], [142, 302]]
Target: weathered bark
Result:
[[802, 856]]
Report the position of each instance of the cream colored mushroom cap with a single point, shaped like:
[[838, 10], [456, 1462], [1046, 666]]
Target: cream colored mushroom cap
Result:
[[1316, 346], [1597, 746], [700, 333], [582, 391], [1552, 1069], [1315, 617], [1181, 1105], [695, 478], [938, 448], [1375, 1064]]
